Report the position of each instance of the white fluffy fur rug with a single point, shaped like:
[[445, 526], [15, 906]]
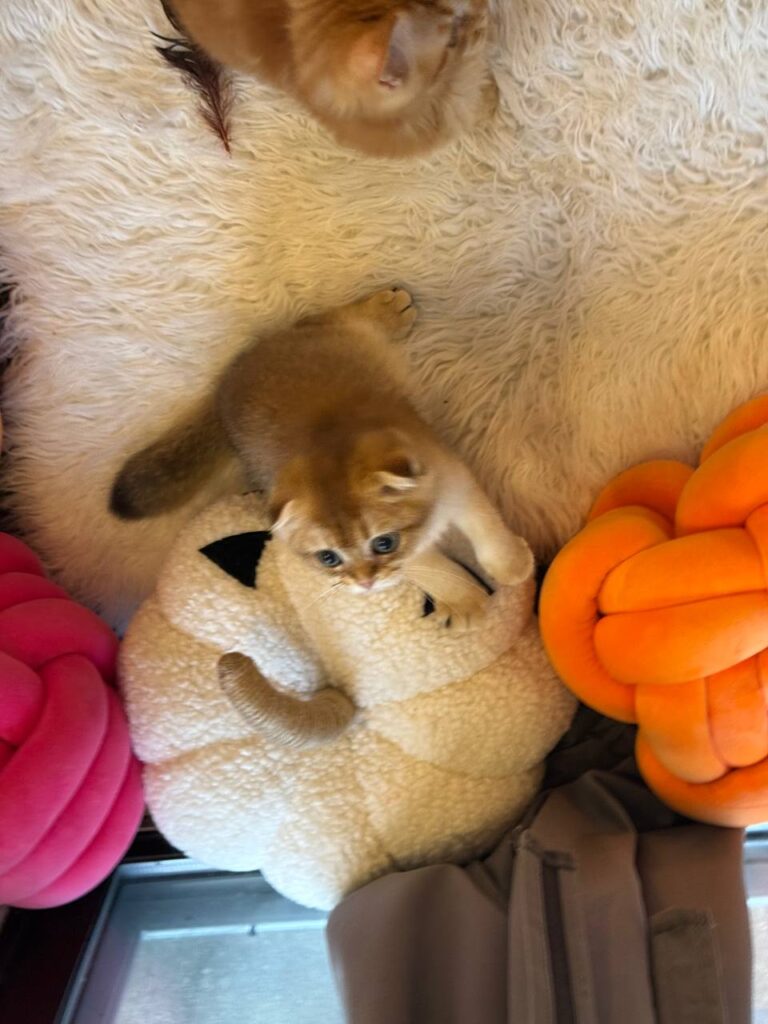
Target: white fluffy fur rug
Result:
[[592, 266]]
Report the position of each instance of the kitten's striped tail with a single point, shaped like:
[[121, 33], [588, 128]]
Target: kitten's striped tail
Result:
[[292, 721], [165, 475]]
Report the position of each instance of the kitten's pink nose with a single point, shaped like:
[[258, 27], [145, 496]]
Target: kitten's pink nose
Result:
[[366, 584]]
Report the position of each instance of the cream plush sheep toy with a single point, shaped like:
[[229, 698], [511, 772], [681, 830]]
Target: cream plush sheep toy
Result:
[[372, 737]]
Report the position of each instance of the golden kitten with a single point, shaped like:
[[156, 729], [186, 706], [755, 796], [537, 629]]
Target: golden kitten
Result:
[[388, 77], [357, 483]]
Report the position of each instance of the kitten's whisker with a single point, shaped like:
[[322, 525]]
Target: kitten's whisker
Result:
[[494, 518], [468, 580], [320, 597], [457, 577]]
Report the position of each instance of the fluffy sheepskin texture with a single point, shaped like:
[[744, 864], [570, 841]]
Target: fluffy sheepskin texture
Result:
[[445, 751], [592, 265]]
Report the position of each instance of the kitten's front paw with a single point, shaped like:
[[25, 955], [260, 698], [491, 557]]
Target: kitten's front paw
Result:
[[465, 614], [392, 308], [511, 564]]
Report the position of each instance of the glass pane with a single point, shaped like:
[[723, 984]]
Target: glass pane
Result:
[[275, 976], [185, 946]]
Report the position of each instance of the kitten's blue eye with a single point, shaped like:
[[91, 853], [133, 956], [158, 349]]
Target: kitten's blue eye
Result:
[[328, 558], [385, 544]]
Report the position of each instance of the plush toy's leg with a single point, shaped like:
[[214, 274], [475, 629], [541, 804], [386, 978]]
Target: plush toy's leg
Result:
[[292, 721], [456, 593], [504, 555]]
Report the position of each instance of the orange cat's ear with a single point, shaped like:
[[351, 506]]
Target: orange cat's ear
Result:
[[383, 54], [396, 66]]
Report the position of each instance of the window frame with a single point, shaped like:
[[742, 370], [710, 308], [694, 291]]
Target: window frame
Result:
[[60, 938]]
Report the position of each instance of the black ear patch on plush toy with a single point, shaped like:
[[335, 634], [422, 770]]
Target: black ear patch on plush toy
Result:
[[239, 556]]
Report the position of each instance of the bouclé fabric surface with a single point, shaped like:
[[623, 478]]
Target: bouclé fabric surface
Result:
[[445, 750]]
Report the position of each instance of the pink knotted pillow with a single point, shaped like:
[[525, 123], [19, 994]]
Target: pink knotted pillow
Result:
[[70, 788]]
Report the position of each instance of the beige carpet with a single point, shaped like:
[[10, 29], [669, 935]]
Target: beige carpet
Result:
[[592, 266]]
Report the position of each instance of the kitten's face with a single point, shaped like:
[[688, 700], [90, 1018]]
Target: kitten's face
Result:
[[373, 59], [365, 548], [360, 524]]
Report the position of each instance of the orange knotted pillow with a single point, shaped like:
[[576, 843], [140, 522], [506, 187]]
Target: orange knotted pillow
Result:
[[657, 613]]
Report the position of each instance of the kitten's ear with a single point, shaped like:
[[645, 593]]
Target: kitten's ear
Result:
[[401, 474], [283, 514]]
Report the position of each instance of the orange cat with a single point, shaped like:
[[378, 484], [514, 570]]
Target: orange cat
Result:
[[357, 483], [388, 77]]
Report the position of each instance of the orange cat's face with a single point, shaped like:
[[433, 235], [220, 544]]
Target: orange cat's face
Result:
[[358, 521], [388, 77]]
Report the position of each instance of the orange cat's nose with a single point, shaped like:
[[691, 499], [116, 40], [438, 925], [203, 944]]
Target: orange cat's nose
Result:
[[366, 584]]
